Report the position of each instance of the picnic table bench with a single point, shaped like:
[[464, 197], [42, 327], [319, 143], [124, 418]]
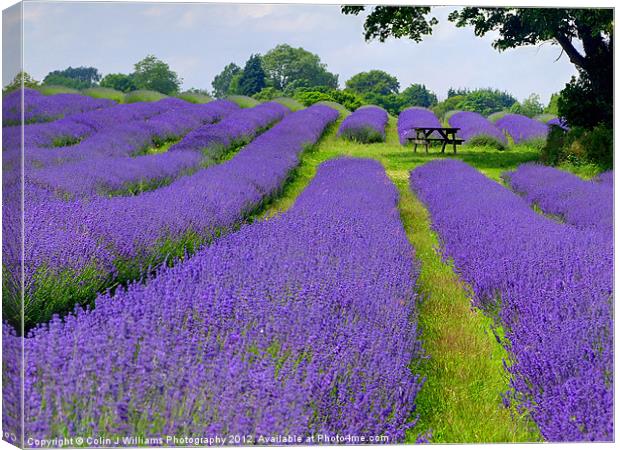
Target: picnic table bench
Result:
[[423, 135]]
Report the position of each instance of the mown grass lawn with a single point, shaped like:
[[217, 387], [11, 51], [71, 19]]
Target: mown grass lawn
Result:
[[461, 399]]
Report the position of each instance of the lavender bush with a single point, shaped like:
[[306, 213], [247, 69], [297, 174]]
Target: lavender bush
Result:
[[296, 326], [477, 130], [415, 117], [550, 285], [365, 125], [522, 129], [584, 204], [76, 248]]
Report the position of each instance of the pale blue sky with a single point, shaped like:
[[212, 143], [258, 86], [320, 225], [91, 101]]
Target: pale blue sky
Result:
[[197, 40]]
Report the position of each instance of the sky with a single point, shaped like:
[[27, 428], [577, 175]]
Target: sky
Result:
[[198, 40]]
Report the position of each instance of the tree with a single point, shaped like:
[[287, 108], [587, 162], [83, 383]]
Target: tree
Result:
[[586, 100], [222, 81], [308, 98], [154, 74], [119, 81], [373, 83], [268, 93], [74, 77], [449, 104], [530, 107], [234, 84], [552, 107], [346, 98], [197, 91], [458, 92], [252, 80], [486, 101], [21, 76], [379, 88], [418, 95], [284, 65]]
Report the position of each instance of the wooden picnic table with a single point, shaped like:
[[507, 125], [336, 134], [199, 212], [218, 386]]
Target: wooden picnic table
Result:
[[447, 135]]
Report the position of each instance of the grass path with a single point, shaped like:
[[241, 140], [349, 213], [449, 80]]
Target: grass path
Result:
[[461, 400]]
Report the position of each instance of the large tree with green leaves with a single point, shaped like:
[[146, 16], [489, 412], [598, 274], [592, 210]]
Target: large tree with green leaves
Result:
[[73, 77], [586, 101], [119, 81], [252, 79], [375, 82], [378, 88], [285, 65], [530, 107], [221, 82], [418, 95], [21, 78], [154, 74], [486, 101]]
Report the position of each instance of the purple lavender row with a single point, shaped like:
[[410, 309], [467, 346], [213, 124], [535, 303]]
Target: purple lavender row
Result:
[[552, 285], [79, 238], [522, 129], [239, 127], [113, 131], [79, 126], [117, 140], [300, 325], [584, 204], [366, 125], [45, 108], [100, 175], [415, 117], [475, 126], [125, 139]]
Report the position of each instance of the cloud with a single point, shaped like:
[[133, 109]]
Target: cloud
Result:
[[153, 11], [254, 11], [299, 23]]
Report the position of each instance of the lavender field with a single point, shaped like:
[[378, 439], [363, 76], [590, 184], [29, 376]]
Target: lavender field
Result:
[[193, 273]]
